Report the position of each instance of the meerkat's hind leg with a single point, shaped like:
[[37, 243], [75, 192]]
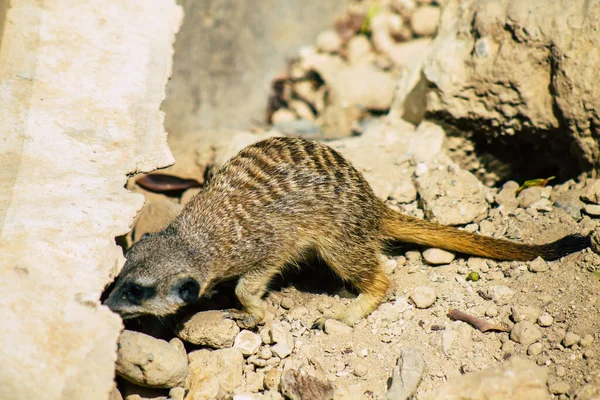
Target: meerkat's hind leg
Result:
[[366, 274], [250, 290]]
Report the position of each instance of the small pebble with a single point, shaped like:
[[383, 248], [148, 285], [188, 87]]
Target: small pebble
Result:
[[255, 381], [560, 370], [534, 349], [545, 320], [413, 255], [421, 169], [571, 339], [272, 379], [247, 342], [491, 311], [525, 313], [525, 333], [287, 303], [587, 340], [558, 387], [438, 256], [423, 296], [281, 350], [592, 209], [499, 294], [266, 353], [529, 196], [476, 263], [538, 265], [177, 393], [360, 370], [424, 20]]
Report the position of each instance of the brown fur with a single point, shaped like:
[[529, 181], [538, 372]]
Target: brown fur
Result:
[[267, 207]]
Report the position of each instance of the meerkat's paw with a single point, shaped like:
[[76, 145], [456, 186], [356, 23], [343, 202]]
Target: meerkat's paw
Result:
[[243, 319], [320, 323]]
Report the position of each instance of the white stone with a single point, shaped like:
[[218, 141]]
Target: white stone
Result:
[[247, 342], [423, 296], [538, 265], [438, 256], [81, 84]]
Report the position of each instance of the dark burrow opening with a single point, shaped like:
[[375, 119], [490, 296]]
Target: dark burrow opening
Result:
[[529, 154]]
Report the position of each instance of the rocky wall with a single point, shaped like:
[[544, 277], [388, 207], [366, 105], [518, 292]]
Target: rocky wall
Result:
[[518, 71], [81, 83]]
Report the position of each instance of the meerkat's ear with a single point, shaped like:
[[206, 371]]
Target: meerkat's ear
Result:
[[188, 290]]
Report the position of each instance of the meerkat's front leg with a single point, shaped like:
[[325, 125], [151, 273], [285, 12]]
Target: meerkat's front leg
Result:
[[250, 290]]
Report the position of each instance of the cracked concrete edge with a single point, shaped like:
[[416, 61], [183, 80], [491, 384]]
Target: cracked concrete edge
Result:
[[81, 84]]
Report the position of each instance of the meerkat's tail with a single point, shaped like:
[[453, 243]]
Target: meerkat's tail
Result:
[[418, 231]]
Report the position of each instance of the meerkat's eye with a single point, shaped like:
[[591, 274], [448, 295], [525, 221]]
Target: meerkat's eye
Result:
[[136, 293], [188, 290]]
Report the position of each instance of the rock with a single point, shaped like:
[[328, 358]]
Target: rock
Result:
[[451, 196], [287, 303], [463, 66], [538, 265], [557, 386], [155, 215], [592, 193], [298, 385], [149, 362], [255, 381], [350, 392], [406, 375], [272, 379], [247, 342], [518, 379], [529, 196], [587, 340], [569, 202], [280, 334], [65, 159], [423, 296], [448, 337], [499, 294], [525, 313], [115, 394], [404, 191], [508, 194], [209, 328], [571, 339], [177, 393], [359, 50], [595, 241], [477, 264], [545, 320], [438, 256], [535, 349], [360, 370], [525, 333], [334, 327], [282, 350], [329, 41], [592, 210], [214, 372], [424, 20]]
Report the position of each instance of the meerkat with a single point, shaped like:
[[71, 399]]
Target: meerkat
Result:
[[269, 206]]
